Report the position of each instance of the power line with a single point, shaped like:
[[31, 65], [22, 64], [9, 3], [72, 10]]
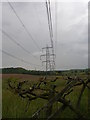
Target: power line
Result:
[[49, 21], [15, 57], [51, 34], [56, 28], [50, 18], [51, 31], [18, 44], [23, 25]]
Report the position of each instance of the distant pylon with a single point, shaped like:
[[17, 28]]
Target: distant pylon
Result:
[[49, 58]]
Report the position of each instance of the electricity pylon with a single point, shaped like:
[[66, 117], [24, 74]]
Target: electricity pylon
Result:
[[49, 58]]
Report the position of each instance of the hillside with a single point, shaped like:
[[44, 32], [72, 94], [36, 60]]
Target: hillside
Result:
[[20, 70]]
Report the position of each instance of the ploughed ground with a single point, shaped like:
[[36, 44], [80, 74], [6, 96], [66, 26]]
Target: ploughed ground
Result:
[[20, 76]]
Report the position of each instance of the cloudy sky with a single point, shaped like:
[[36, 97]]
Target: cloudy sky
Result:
[[70, 29]]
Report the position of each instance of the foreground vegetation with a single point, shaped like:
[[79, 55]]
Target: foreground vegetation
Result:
[[15, 106]]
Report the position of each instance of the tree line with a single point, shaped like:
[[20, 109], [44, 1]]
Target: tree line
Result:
[[20, 70]]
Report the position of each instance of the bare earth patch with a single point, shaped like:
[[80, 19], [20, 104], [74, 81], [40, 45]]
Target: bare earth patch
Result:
[[21, 76]]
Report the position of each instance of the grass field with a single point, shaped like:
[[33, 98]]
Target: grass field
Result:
[[0, 97], [13, 106]]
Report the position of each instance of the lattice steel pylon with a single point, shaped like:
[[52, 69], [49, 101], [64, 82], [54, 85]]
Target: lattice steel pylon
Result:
[[49, 58]]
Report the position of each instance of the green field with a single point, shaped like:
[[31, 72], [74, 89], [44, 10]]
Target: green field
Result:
[[14, 106]]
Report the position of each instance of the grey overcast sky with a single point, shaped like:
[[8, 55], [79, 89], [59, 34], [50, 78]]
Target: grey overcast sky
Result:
[[70, 27]]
